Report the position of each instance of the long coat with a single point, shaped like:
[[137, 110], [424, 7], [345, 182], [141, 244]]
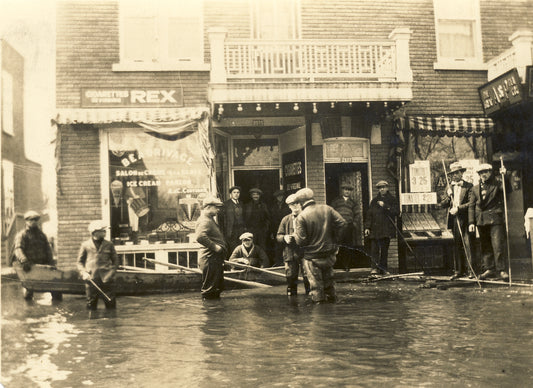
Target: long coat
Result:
[[101, 263], [233, 219], [208, 234], [379, 220]]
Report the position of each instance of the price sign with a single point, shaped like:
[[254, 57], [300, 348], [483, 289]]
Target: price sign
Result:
[[420, 176]]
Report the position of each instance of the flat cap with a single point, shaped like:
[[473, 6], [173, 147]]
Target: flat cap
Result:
[[97, 225], [246, 235], [234, 188], [31, 214], [382, 183], [211, 200], [291, 199], [304, 194], [484, 167], [255, 190], [456, 166]]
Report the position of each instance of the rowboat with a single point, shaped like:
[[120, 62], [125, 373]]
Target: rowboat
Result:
[[141, 281]]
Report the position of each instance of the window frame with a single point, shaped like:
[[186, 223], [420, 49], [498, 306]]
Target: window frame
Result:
[[458, 63], [254, 11], [163, 62]]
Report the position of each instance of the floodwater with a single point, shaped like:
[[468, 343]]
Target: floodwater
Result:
[[393, 334]]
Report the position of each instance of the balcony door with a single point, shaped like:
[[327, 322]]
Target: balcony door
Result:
[[275, 19]]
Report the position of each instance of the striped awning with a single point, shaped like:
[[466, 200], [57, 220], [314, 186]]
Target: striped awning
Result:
[[128, 115], [450, 126]]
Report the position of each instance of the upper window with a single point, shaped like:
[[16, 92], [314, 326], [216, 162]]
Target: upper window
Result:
[[458, 31], [161, 35], [275, 19], [7, 102]]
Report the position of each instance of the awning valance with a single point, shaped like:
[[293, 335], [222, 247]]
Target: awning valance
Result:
[[128, 115], [450, 126]]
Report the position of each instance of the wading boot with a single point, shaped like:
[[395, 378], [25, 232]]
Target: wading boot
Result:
[[487, 274]]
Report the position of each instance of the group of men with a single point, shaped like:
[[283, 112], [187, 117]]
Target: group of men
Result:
[[482, 207]]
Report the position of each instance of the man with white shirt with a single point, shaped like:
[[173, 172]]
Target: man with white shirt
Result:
[[457, 200]]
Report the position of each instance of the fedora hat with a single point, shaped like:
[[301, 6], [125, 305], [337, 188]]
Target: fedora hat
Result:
[[456, 166]]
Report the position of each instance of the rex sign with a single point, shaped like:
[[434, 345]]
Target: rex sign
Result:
[[131, 97]]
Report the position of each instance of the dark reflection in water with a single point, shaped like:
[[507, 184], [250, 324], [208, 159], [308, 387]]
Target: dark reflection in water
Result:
[[394, 334]]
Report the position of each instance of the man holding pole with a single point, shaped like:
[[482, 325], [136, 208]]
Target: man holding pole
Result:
[[486, 211], [97, 263], [214, 248], [457, 200]]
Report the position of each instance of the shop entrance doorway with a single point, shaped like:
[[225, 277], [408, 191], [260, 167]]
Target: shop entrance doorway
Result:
[[266, 180], [356, 176]]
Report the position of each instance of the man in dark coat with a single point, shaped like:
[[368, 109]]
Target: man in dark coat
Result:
[[318, 228], [292, 253], [98, 261], [348, 209], [32, 247], [257, 218], [380, 227], [214, 249], [457, 200], [278, 210], [486, 211], [233, 218]]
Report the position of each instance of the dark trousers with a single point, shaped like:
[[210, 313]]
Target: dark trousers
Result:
[[492, 241], [93, 294], [292, 269], [459, 254], [379, 249], [212, 276], [346, 247]]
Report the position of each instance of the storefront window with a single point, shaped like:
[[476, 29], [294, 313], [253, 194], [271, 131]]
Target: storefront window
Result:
[[255, 152], [156, 186], [221, 163]]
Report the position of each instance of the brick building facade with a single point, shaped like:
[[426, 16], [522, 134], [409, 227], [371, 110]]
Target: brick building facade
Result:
[[300, 93]]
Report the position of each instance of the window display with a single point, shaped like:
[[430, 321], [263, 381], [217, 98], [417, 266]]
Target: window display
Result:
[[156, 186]]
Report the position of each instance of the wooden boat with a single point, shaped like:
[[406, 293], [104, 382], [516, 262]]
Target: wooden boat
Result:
[[140, 281]]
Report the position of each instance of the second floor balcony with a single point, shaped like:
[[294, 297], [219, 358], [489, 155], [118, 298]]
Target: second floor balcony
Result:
[[305, 70], [519, 56]]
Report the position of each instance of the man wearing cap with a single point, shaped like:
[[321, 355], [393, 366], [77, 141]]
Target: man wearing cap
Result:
[[292, 253], [214, 249], [457, 200], [233, 217], [318, 228], [278, 210], [248, 253], [486, 211], [257, 218], [380, 227], [32, 247], [98, 262], [348, 209]]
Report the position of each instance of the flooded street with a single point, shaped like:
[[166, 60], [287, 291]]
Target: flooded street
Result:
[[393, 334]]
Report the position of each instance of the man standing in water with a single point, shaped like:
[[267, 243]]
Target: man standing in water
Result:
[[214, 249], [32, 247], [97, 264], [318, 228], [292, 253]]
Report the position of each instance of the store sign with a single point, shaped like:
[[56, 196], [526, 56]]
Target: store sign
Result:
[[529, 82], [345, 150], [419, 198], [501, 92], [420, 176], [293, 165], [128, 97]]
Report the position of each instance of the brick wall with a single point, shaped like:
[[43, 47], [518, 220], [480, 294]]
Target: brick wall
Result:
[[78, 189]]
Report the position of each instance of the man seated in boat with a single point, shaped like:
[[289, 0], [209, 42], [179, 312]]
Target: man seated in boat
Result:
[[248, 253]]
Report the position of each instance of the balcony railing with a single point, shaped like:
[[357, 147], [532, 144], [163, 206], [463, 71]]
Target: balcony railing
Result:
[[519, 56], [310, 60]]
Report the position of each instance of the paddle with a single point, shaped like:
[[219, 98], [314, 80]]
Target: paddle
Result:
[[99, 290], [402, 275], [240, 265], [197, 270]]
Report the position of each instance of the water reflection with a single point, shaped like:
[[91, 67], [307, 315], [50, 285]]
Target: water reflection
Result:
[[392, 334]]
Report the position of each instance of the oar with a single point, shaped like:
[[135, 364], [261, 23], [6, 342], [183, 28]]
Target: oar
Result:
[[99, 290], [240, 265], [197, 270], [402, 275]]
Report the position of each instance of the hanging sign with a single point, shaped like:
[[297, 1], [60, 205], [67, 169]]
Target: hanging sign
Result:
[[293, 166], [501, 92], [529, 82]]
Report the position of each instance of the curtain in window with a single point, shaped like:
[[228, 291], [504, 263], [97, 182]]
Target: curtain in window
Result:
[[456, 39]]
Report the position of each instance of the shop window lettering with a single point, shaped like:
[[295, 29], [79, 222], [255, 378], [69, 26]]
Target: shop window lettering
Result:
[[132, 157]]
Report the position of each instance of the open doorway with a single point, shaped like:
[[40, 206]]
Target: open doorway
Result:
[[354, 175], [266, 180]]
